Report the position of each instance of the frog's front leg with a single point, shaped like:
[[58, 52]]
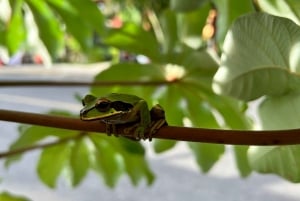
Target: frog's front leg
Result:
[[111, 129], [141, 110]]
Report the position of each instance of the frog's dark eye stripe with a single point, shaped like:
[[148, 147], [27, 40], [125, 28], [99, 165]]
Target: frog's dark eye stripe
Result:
[[103, 105], [121, 106]]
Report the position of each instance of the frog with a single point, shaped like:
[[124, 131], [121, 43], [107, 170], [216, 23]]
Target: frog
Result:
[[117, 108]]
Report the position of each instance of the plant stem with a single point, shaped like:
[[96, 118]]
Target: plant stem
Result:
[[25, 83], [217, 136]]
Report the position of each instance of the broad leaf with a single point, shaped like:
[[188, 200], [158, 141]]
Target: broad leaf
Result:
[[107, 161], [73, 20], [49, 28], [133, 38], [228, 11], [191, 26], [259, 58], [187, 5], [91, 14], [169, 28], [281, 112], [79, 161], [52, 162], [161, 146], [16, 32], [241, 159], [207, 154], [283, 8], [5, 196], [113, 157], [282, 160]]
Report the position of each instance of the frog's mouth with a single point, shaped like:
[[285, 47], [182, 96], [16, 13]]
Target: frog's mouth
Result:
[[114, 114]]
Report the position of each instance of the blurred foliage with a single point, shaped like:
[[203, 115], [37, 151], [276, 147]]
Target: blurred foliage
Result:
[[5, 196], [206, 84]]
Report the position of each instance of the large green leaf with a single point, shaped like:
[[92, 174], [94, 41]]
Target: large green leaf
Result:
[[49, 27], [2, 32], [30, 135], [16, 31], [281, 112], [284, 8], [241, 159], [112, 157], [170, 32], [282, 160], [5, 196], [91, 14], [228, 11], [207, 154], [79, 161], [187, 5], [52, 162], [191, 26], [259, 57], [107, 161], [73, 20], [133, 38]]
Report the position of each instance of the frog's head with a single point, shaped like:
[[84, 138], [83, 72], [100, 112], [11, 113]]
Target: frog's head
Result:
[[102, 108]]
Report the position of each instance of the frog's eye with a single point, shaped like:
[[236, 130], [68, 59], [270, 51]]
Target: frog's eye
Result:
[[103, 105]]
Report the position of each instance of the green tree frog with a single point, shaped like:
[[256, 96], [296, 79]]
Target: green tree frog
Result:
[[115, 108]]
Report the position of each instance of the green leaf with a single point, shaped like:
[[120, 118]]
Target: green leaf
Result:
[[33, 134], [282, 112], [91, 14], [108, 162], [133, 38], [207, 154], [169, 28], [2, 32], [138, 73], [137, 168], [231, 111], [200, 113], [5, 196], [163, 145], [185, 6], [16, 32], [228, 11], [113, 157], [136, 165], [191, 26], [283, 8], [79, 161], [281, 160], [241, 160], [73, 20], [259, 58], [131, 146], [52, 162], [49, 28]]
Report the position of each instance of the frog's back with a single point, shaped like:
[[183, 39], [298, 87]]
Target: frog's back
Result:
[[128, 98]]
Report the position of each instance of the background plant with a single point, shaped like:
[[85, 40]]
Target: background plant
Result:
[[201, 79]]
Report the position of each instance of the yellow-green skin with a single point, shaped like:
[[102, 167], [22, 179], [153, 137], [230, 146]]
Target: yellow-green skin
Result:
[[115, 108]]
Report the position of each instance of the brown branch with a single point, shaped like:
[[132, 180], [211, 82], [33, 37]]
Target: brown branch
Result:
[[30, 83], [235, 137]]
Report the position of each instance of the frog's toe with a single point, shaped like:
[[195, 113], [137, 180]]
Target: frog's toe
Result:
[[139, 133]]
